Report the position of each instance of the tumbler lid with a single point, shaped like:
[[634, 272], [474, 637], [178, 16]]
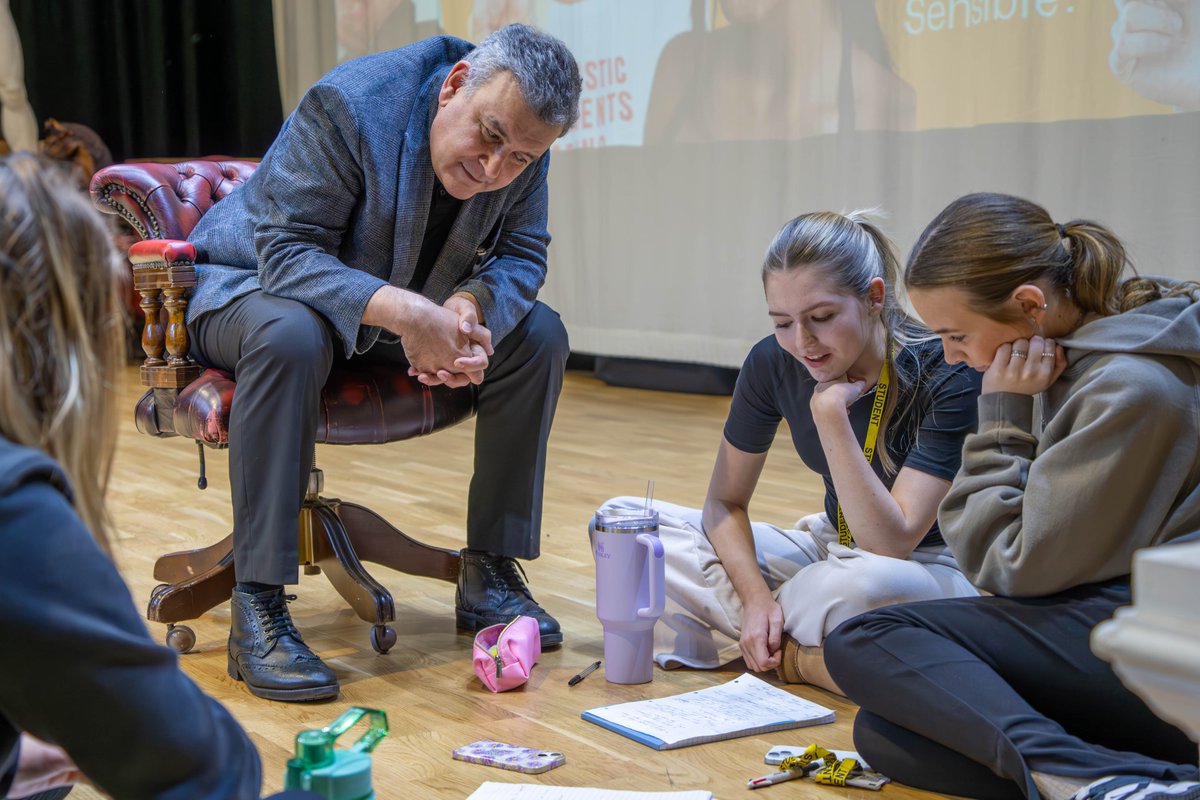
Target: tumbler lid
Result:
[[627, 520]]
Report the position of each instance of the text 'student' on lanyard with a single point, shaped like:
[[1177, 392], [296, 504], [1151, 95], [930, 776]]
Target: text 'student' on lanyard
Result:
[[881, 390]]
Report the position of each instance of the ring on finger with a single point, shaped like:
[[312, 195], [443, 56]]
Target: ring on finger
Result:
[[1048, 355], [1019, 354]]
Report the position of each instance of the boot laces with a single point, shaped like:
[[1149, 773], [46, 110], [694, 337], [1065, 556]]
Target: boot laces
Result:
[[274, 617], [510, 572]]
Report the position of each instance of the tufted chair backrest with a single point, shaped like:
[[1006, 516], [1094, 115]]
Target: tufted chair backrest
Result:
[[165, 201]]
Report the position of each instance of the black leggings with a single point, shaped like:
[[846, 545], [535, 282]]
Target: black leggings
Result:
[[952, 691]]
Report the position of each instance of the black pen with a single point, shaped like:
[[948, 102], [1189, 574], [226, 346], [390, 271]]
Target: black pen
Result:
[[588, 670]]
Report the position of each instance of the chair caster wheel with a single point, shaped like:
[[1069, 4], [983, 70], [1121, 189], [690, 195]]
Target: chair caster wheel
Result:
[[383, 638], [180, 638]]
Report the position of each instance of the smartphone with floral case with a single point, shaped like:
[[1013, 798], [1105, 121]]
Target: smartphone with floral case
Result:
[[509, 756]]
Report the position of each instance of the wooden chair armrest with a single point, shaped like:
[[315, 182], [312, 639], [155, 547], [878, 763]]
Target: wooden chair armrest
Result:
[[163, 271], [168, 251]]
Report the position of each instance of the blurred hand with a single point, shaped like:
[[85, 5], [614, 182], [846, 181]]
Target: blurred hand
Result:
[[1156, 50], [1026, 366], [42, 767]]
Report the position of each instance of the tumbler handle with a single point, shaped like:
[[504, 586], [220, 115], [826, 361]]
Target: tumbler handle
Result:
[[654, 563]]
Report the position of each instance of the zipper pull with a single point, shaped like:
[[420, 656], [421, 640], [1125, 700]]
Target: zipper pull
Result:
[[494, 652]]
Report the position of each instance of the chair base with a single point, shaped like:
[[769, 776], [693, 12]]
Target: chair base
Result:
[[335, 538]]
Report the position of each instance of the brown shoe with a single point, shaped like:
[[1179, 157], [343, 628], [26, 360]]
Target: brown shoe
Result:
[[803, 664], [788, 670]]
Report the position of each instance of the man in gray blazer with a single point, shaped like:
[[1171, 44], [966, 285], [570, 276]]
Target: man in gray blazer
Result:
[[400, 216]]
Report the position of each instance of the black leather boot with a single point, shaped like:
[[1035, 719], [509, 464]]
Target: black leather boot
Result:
[[492, 590], [266, 651]]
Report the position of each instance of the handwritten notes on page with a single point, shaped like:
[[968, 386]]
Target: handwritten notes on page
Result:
[[744, 706]]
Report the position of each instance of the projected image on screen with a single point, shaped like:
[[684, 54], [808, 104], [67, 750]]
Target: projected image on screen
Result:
[[816, 67], [679, 71], [705, 124], [1156, 50]]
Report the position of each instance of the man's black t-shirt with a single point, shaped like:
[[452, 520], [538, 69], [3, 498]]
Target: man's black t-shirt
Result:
[[925, 435], [443, 211]]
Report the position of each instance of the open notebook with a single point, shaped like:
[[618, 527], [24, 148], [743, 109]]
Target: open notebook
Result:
[[533, 791], [744, 706]]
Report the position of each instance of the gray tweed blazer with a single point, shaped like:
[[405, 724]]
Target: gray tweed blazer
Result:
[[339, 204]]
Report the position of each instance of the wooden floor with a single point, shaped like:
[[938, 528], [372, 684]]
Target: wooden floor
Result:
[[606, 442]]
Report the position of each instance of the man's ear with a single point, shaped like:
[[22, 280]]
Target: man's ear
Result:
[[454, 82]]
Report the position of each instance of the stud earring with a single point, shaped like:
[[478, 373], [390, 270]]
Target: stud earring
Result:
[[1045, 306]]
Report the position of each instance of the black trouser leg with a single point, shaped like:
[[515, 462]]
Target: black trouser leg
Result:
[[280, 352], [1008, 683], [517, 400], [512, 428]]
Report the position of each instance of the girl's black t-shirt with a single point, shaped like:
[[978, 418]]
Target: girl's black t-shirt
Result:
[[925, 434]]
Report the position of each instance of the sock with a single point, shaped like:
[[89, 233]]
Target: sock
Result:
[[1129, 787], [1056, 787], [250, 587]]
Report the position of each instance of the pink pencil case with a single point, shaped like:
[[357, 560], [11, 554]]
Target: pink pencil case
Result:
[[505, 654]]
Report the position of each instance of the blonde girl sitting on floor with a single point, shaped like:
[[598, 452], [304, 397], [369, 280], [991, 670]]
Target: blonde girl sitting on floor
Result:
[[842, 354]]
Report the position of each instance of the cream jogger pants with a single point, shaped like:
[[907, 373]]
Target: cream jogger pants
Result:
[[818, 583]]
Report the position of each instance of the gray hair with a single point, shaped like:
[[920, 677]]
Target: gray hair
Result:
[[853, 251], [542, 66]]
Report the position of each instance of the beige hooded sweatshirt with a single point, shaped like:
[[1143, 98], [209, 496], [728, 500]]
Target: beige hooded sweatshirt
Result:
[[1061, 492]]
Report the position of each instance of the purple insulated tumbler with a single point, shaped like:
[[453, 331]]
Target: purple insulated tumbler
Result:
[[629, 590]]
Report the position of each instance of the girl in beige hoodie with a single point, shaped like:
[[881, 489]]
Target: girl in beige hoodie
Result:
[[1088, 449]]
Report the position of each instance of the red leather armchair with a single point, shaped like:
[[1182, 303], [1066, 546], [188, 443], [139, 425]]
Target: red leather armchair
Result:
[[359, 405]]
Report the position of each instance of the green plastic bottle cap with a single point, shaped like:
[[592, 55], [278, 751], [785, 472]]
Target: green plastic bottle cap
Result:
[[314, 748], [347, 778], [336, 774]]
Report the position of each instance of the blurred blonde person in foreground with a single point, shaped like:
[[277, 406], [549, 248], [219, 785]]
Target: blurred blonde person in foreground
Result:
[[80, 670]]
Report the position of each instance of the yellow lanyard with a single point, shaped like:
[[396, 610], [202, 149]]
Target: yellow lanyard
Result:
[[881, 390]]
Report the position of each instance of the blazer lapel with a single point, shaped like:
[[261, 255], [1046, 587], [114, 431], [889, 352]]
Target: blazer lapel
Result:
[[414, 184]]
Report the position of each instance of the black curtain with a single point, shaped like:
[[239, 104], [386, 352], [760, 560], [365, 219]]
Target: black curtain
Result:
[[155, 78]]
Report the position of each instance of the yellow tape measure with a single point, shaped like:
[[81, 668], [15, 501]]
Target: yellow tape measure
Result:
[[829, 769], [881, 392]]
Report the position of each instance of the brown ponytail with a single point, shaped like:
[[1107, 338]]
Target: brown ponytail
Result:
[[989, 244], [1097, 261]]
